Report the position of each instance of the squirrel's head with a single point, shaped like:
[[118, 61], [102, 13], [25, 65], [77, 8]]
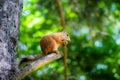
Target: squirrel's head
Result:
[[65, 36]]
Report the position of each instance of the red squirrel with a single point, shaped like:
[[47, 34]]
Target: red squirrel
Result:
[[49, 44]]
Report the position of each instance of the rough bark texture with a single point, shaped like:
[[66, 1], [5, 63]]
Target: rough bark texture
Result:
[[9, 32]]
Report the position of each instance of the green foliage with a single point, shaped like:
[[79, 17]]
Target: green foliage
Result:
[[94, 27]]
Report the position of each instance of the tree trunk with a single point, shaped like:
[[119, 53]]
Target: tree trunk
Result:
[[9, 32]]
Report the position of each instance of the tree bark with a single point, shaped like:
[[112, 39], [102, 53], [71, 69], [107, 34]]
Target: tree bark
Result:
[[9, 32]]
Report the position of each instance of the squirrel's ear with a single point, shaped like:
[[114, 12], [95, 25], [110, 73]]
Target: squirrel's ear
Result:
[[64, 31]]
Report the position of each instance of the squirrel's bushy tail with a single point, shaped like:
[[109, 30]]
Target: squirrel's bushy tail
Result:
[[29, 59]]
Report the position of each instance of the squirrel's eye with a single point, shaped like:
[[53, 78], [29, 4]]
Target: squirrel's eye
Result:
[[67, 35]]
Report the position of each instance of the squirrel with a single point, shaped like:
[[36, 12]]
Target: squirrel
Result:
[[49, 44]]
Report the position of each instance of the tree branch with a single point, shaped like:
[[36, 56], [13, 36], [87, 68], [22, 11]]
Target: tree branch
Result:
[[65, 46], [37, 64], [61, 14]]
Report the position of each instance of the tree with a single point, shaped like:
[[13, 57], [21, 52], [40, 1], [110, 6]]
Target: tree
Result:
[[10, 11], [9, 33]]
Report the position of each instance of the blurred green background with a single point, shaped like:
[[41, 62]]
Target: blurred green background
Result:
[[94, 28]]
